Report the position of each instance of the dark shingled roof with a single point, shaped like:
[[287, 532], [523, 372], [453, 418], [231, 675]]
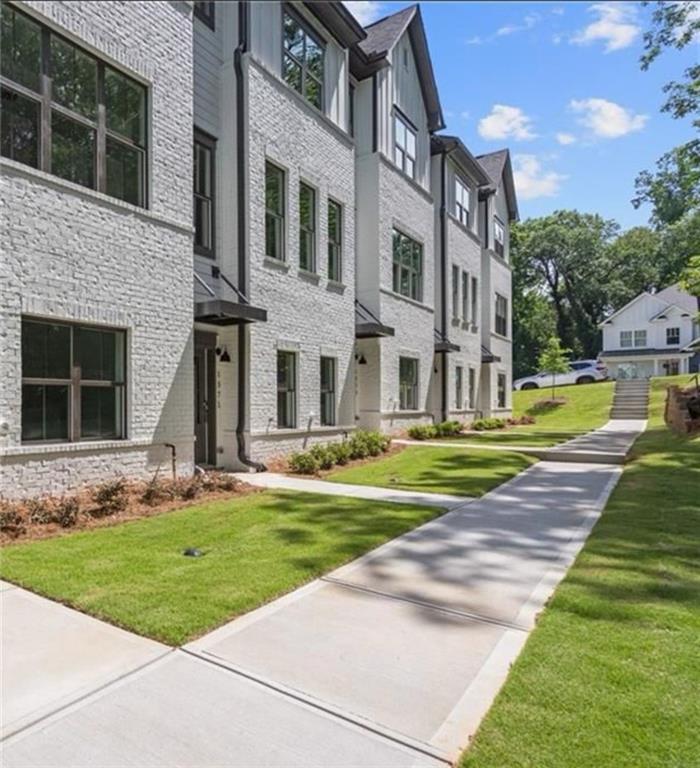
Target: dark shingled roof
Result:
[[441, 142], [497, 166], [382, 35], [674, 294]]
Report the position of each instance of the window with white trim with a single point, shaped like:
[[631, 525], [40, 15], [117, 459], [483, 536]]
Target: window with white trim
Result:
[[404, 146], [501, 324], [328, 377], [625, 338], [408, 384], [274, 211], [673, 336], [462, 205], [286, 390], [407, 269], [499, 237], [640, 338]]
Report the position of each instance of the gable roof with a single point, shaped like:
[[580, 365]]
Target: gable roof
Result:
[[371, 54], [338, 20], [440, 143], [674, 294], [498, 166], [626, 306]]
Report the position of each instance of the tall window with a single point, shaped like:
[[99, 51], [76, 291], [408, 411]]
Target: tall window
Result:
[[673, 335], [73, 382], [465, 297], [455, 291], [501, 315], [286, 390], [501, 390], [335, 241], [408, 384], [499, 238], [404, 146], [472, 389], [307, 227], [407, 274], [462, 201], [625, 338], [274, 212], [204, 195], [302, 66], [328, 391], [640, 338], [475, 302], [69, 114], [204, 10], [459, 387]]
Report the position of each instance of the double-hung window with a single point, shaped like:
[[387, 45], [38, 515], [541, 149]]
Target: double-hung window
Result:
[[302, 60], [286, 390], [307, 227], [501, 315], [462, 201], [501, 390], [475, 302], [73, 382], [407, 268], [68, 113], [459, 387], [274, 211], [499, 237], [640, 338], [673, 336], [404, 146], [625, 338], [328, 391], [455, 292], [472, 389], [335, 241], [465, 297], [408, 384], [204, 194]]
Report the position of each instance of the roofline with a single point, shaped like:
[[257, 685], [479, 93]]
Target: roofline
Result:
[[448, 144], [622, 309], [338, 20], [671, 306]]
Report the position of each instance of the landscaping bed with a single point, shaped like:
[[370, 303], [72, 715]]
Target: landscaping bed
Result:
[[609, 677], [255, 548], [579, 407]]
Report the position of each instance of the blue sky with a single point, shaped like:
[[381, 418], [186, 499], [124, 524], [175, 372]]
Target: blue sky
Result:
[[558, 83]]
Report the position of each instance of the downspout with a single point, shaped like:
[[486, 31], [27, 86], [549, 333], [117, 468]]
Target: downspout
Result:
[[241, 49], [443, 281]]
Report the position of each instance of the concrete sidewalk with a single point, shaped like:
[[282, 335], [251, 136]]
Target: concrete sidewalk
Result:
[[391, 660]]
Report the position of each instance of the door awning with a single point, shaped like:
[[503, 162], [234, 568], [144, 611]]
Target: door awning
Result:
[[221, 312], [368, 325], [487, 356], [443, 344]]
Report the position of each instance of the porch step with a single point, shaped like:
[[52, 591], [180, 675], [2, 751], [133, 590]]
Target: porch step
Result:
[[630, 400]]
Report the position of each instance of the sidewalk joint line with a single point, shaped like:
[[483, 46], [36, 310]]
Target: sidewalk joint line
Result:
[[424, 604]]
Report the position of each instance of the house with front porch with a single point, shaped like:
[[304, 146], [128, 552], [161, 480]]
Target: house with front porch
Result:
[[655, 334]]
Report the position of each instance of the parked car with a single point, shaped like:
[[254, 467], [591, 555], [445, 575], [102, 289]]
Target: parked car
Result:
[[580, 372]]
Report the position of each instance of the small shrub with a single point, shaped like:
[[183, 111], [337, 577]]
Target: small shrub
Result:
[[520, 420], [11, 520], [111, 497], [341, 452], [188, 487], [40, 511], [66, 511], [422, 432], [358, 446], [492, 423], [303, 463], [448, 428], [224, 482], [156, 492], [325, 458]]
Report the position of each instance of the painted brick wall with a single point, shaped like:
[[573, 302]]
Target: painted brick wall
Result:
[[74, 254], [306, 314]]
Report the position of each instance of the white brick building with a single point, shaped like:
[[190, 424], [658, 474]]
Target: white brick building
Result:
[[316, 252]]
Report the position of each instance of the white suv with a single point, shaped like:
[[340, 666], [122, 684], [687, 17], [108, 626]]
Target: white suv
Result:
[[580, 372]]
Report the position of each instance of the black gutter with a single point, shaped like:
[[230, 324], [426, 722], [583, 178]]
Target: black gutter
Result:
[[242, 233], [374, 113], [443, 281]]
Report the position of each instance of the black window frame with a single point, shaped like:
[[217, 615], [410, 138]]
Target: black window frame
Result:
[[98, 126], [474, 302], [455, 280], [207, 142], [673, 338], [328, 404], [459, 387], [335, 245], [279, 216], [205, 11], [309, 32], [501, 390], [461, 212], [415, 276], [501, 315], [409, 390], [465, 296], [471, 389], [287, 392], [308, 231], [499, 246], [409, 128], [75, 382]]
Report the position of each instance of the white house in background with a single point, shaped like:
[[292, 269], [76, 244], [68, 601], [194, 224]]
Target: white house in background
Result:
[[655, 334]]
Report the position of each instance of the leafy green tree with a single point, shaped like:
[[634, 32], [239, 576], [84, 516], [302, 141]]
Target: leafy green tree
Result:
[[690, 278], [554, 359]]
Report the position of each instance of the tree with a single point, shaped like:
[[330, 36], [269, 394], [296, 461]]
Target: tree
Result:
[[554, 359], [690, 279]]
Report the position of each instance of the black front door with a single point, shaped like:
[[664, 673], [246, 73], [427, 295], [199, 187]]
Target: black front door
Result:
[[205, 398]]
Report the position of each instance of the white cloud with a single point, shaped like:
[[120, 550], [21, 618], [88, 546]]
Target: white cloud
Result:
[[476, 40], [532, 181], [505, 122], [557, 38], [615, 25], [565, 138], [509, 29], [606, 119], [365, 11]]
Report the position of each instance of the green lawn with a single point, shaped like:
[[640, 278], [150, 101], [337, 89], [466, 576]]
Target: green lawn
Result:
[[438, 470], [587, 407], [257, 547], [610, 677], [514, 437]]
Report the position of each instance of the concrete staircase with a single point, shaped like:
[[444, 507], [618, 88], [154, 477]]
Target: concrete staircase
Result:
[[631, 399]]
